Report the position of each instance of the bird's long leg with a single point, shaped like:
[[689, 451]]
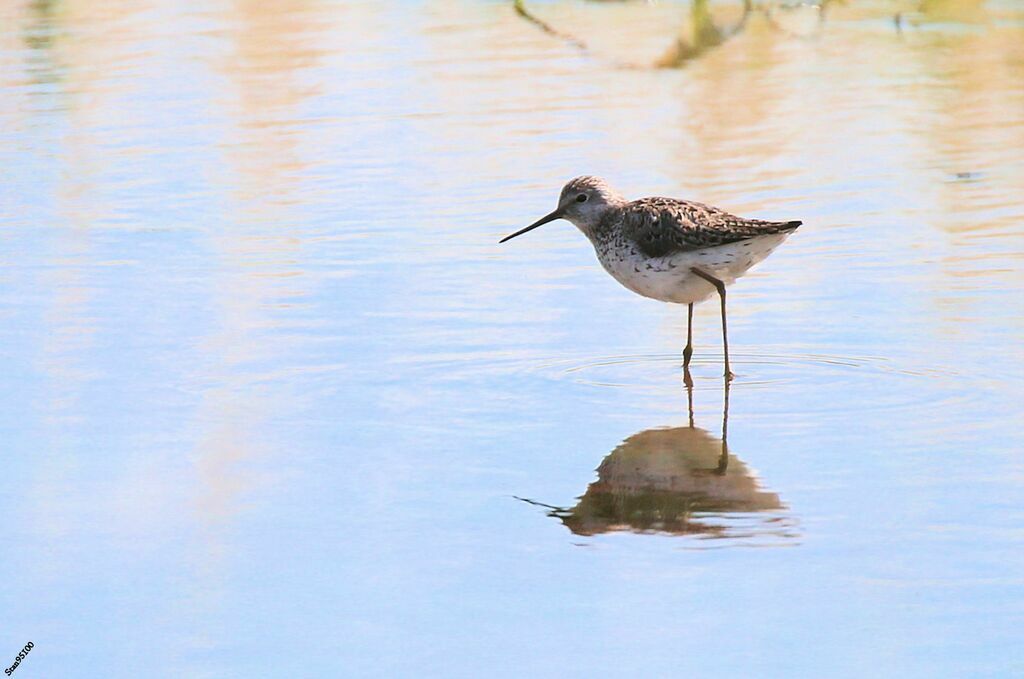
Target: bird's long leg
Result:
[[688, 350], [720, 286]]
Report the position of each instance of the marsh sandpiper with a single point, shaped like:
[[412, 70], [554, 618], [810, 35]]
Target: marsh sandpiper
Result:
[[667, 249]]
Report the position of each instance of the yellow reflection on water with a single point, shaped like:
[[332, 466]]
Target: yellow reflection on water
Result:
[[259, 249]]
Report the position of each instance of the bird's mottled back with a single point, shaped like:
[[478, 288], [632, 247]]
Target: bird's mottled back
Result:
[[662, 226]]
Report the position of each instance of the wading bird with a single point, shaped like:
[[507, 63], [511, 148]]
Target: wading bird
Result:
[[667, 249]]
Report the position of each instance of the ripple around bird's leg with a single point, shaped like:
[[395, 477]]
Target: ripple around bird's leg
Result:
[[812, 379], [655, 373]]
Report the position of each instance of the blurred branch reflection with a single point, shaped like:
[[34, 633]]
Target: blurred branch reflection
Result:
[[699, 35], [704, 34], [704, 31]]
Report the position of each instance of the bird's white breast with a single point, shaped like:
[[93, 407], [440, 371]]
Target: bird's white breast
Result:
[[671, 278]]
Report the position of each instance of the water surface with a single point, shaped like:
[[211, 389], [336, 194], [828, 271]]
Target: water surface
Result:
[[273, 394]]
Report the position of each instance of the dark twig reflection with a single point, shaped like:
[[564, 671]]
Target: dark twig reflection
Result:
[[521, 10]]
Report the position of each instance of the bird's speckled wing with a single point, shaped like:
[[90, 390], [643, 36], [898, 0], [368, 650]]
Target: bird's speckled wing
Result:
[[662, 226]]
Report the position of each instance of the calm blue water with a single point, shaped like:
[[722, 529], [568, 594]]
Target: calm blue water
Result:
[[273, 396]]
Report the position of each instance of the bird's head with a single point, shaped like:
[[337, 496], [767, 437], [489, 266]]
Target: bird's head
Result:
[[583, 201]]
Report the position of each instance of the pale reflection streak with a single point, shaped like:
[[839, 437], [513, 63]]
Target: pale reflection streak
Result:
[[67, 496], [258, 274], [977, 129], [972, 136]]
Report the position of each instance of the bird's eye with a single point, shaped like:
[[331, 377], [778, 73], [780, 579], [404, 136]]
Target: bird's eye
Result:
[[582, 198]]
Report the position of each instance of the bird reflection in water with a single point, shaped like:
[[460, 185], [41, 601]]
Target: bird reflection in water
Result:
[[678, 481]]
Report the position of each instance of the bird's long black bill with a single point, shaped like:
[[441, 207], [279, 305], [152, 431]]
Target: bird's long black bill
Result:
[[557, 214]]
